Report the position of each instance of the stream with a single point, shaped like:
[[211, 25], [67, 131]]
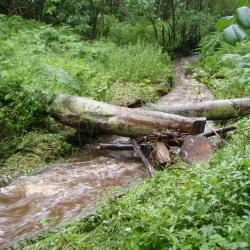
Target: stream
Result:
[[63, 192], [68, 190]]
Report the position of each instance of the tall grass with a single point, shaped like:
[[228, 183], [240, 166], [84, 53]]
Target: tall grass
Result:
[[56, 60]]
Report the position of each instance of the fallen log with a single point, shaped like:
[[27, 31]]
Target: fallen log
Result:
[[219, 131], [146, 162], [161, 153], [212, 110], [88, 115]]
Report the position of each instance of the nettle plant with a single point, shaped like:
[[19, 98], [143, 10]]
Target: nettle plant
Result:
[[237, 27]]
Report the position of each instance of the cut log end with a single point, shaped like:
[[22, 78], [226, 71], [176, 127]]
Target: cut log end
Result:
[[199, 126], [196, 149]]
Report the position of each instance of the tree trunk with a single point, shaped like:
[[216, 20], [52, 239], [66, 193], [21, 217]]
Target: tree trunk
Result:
[[212, 110], [89, 115]]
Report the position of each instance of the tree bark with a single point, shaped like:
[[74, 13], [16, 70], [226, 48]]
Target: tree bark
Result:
[[89, 115], [212, 110], [161, 152]]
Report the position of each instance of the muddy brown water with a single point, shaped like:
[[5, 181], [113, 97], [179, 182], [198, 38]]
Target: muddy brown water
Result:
[[68, 190], [63, 192]]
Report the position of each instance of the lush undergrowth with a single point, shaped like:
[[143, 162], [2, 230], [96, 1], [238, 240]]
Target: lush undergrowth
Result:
[[227, 71], [56, 60], [37, 60], [203, 206]]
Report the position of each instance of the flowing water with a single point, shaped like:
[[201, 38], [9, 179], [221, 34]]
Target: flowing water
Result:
[[66, 191], [63, 192]]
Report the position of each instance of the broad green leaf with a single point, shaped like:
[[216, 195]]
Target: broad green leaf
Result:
[[234, 33], [243, 16], [224, 22]]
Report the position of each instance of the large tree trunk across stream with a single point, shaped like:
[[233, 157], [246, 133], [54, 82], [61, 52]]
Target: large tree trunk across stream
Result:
[[82, 113], [212, 110]]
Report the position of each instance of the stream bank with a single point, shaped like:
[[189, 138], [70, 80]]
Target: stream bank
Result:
[[71, 189], [202, 206]]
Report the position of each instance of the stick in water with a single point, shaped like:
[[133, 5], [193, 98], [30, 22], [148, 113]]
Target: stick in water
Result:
[[146, 162]]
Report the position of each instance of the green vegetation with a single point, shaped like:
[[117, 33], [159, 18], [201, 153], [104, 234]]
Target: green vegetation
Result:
[[58, 61], [236, 32], [227, 70], [33, 150], [37, 60], [203, 206], [173, 24], [116, 51]]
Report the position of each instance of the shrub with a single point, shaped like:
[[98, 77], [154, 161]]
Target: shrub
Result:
[[229, 70], [20, 110]]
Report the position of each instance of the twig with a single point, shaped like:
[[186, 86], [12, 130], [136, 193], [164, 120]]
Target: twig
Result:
[[220, 130], [216, 133]]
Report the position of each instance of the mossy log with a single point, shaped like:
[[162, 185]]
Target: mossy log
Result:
[[84, 113], [212, 110]]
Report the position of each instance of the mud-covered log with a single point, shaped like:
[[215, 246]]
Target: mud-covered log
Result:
[[212, 110], [84, 113]]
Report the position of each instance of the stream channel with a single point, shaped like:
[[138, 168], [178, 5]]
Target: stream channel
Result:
[[68, 190]]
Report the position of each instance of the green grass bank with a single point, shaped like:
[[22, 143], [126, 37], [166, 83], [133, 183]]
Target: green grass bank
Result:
[[202, 206], [37, 60]]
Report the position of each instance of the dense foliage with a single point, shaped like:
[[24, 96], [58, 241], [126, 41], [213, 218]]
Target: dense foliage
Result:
[[174, 24], [204, 206], [236, 27], [227, 71]]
